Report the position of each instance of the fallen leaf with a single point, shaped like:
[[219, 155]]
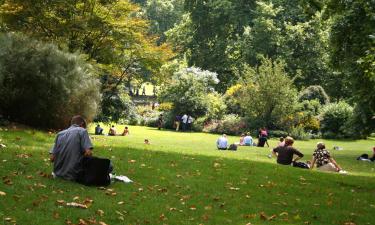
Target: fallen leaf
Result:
[[2, 193], [249, 216], [56, 215], [263, 216], [283, 214], [120, 203], [234, 188], [77, 205], [193, 207], [102, 223], [162, 217], [272, 217], [100, 212], [208, 207], [82, 222], [60, 202], [7, 181]]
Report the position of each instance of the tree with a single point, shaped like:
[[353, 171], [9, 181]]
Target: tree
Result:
[[216, 24], [109, 32], [334, 120], [314, 92], [352, 46], [188, 91], [268, 94], [163, 15], [43, 86]]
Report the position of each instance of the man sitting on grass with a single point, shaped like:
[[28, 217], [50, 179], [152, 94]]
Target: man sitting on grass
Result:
[[286, 153], [71, 156], [222, 142], [248, 140]]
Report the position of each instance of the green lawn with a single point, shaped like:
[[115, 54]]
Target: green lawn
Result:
[[182, 179]]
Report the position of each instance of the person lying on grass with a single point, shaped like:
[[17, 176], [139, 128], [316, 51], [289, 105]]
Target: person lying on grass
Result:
[[323, 159], [287, 155]]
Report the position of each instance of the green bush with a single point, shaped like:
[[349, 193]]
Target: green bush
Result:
[[188, 91], [42, 86], [299, 133], [116, 106], [334, 120], [277, 133], [215, 106], [199, 124], [230, 124], [314, 92]]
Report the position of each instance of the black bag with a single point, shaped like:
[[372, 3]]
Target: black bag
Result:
[[301, 165], [232, 147], [94, 172], [363, 156]]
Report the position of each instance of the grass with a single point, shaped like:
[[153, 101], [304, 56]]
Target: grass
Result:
[[182, 179]]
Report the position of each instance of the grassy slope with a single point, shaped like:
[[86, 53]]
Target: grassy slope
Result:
[[181, 179]]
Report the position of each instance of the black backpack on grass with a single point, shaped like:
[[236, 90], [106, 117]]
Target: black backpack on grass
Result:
[[94, 172], [232, 147]]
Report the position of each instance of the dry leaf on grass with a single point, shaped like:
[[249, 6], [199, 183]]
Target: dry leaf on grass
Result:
[[77, 205], [263, 216], [2, 193], [100, 212]]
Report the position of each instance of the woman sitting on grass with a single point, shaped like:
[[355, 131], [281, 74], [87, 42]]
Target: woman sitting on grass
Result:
[[323, 159]]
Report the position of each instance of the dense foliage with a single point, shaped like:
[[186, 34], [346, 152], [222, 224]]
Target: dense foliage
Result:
[[43, 86], [279, 62], [188, 92], [334, 120], [314, 92]]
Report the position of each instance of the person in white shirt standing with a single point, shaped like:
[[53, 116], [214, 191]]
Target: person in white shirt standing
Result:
[[190, 122], [184, 120], [222, 142]]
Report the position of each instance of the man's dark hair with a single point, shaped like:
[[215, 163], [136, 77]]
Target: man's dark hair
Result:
[[78, 120]]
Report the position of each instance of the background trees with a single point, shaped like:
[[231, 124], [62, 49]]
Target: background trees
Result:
[[109, 33], [188, 92], [262, 51], [43, 86]]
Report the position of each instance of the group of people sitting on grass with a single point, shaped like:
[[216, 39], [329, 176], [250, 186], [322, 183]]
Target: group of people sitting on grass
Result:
[[72, 158], [286, 154], [112, 131]]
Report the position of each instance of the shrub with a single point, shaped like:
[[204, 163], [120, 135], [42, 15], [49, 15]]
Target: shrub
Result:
[[116, 105], [215, 106], [268, 94], [334, 119], [230, 124], [188, 91], [165, 106], [299, 133], [199, 124], [314, 92], [277, 133], [42, 86]]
